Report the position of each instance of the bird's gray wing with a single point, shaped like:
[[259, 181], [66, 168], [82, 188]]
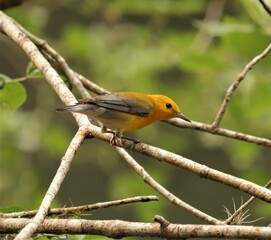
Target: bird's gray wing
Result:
[[119, 103]]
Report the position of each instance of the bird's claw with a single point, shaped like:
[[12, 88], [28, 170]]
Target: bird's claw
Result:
[[117, 138], [116, 141]]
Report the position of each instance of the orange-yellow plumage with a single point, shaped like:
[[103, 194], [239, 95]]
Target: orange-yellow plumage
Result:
[[126, 111]]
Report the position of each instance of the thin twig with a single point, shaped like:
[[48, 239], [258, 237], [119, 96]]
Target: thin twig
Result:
[[171, 197], [232, 217], [54, 187], [81, 209], [220, 131], [91, 86], [67, 71], [265, 6], [161, 220], [236, 83]]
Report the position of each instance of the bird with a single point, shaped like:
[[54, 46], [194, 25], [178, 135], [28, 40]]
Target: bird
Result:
[[126, 111]]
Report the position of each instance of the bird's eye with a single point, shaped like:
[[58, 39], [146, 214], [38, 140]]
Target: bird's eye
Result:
[[168, 105]]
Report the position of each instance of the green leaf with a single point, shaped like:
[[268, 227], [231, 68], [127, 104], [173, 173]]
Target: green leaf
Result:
[[32, 71], [3, 79], [13, 95]]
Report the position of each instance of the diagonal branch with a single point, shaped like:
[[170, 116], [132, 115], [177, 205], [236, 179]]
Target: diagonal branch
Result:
[[265, 6], [189, 165], [236, 83], [159, 188], [54, 187], [204, 171]]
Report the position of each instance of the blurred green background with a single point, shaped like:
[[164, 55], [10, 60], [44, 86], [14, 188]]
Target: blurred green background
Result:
[[161, 46]]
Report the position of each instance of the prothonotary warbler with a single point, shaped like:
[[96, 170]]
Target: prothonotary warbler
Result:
[[126, 111]]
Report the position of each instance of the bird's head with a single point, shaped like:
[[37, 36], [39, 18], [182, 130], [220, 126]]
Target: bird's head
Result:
[[166, 108]]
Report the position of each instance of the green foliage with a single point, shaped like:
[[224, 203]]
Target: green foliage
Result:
[[144, 46], [12, 95], [32, 71]]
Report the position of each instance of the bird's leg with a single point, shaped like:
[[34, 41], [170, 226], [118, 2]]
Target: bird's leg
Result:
[[116, 136]]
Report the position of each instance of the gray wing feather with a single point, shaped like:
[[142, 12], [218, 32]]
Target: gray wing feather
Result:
[[118, 103]]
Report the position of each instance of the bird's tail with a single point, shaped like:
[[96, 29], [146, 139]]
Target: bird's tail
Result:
[[73, 108]]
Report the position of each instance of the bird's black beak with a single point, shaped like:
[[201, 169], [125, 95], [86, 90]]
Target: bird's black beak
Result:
[[180, 115]]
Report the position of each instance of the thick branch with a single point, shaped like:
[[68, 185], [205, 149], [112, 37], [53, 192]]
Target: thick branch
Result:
[[204, 171], [189, 165], [8, 27], [120, 229]]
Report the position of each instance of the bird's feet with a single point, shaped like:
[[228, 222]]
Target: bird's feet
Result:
[[117, 138]]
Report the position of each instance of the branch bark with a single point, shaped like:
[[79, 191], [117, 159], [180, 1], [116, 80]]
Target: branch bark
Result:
[[64, 167], [221, 131], [266, 7], [121, 229], [81, 209]]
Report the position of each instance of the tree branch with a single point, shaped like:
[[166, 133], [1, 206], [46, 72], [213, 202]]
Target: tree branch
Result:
[[9, 28], [63, 169], [243, 206], [204, 171], [236, 83], [159, 188], [220, 131], [121, 229], [81, 209], [265, 6]]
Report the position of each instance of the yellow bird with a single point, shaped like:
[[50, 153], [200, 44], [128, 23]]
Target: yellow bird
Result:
[[126, 111]]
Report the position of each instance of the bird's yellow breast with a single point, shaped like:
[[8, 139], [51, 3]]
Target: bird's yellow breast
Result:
[[125, 122]]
